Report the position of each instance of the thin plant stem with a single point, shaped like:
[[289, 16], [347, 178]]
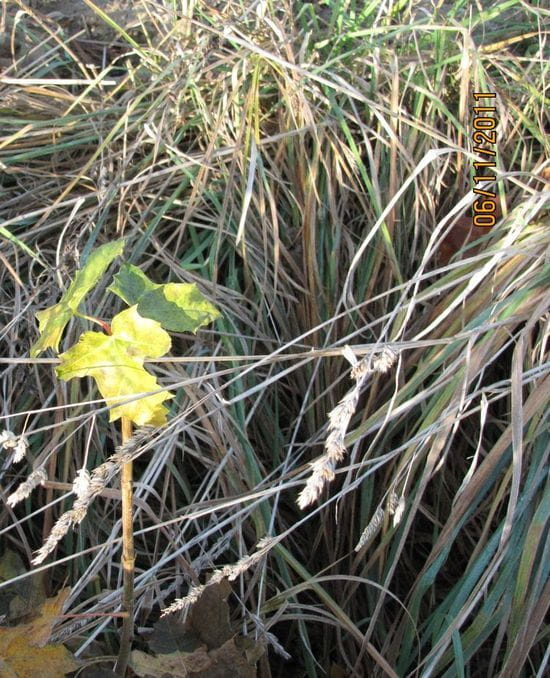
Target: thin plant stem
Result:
[[128, 557]]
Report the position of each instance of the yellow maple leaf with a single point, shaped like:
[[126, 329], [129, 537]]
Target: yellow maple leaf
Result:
[[116, 364]]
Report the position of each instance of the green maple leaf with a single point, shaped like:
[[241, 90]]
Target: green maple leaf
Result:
[[52, 320], [179, 307], [116, 364]]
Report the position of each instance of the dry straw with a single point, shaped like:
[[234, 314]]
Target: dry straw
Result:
[[339, 419]]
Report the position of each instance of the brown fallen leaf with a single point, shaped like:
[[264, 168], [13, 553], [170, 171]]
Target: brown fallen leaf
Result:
[[177, 664], [227, 661], [25, 596], [23, 649], [209, 616], [170, 635], [40, 628], [22, 661], [204, 646], [207, 624]]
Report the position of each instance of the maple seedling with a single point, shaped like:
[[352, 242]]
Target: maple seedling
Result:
[[115, 357]]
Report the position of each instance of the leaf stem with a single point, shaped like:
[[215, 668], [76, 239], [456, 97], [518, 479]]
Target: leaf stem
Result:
[[128, 557], [105, 326]]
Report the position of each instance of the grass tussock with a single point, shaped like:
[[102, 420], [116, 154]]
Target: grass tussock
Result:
[[306, 164]]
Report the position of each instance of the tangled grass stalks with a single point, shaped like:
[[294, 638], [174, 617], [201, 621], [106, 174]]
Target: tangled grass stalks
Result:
[[311, 164], [86, 486]]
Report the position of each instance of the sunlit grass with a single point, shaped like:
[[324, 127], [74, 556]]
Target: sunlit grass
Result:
[[303, 162]]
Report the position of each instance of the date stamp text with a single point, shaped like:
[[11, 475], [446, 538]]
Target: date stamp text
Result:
[[484, 144]]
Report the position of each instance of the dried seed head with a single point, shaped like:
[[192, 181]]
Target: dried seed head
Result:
[[399, 511], [385, 360], [79, 510], [20, 450], [9, 441], [339, 419], [230, 572], [59, 530], [183, 604], [395, 507], [82, 484], [393, 502], [323, 472], [371, 529], [23, 491], [377, 361]]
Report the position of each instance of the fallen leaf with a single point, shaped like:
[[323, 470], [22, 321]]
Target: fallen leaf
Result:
[[227, 661], [209, 616], [23, 661], [170, 635], [252, 649], [178, 664], [202, 647], [40, 628], [23, 597], [23, 649]]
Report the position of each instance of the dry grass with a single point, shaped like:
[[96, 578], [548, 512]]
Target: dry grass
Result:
[[303, 163]]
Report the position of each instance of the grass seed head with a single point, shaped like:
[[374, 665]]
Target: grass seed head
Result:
[[35, 479]]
